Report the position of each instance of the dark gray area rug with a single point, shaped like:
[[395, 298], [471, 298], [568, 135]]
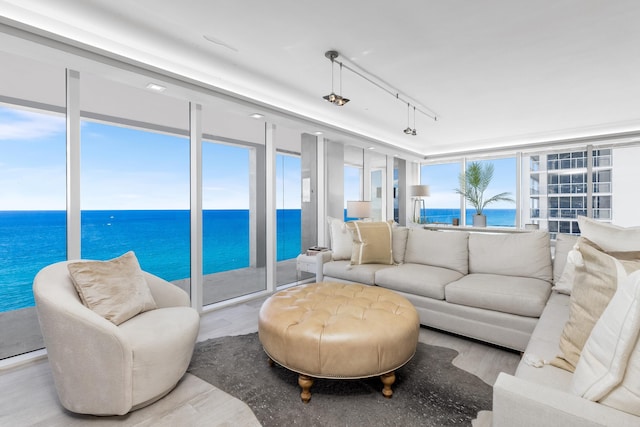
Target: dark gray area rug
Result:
[[429, 390]]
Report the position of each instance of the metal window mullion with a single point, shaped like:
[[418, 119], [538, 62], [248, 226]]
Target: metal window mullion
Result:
[[195, 186], [73, 164]]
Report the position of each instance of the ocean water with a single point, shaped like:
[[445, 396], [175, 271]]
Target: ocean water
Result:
[[495, 217], [31, 240]]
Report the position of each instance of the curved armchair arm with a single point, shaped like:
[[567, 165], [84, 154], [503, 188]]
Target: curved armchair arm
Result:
[[90, 360], [166, 294]]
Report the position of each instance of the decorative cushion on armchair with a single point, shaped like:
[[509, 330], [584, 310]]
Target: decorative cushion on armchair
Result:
[[101, 368]]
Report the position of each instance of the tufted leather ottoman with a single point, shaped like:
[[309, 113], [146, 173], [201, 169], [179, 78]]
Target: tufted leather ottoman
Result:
[[337, 330]]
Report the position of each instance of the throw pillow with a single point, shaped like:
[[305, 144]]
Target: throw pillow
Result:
[[115, 289], [609, 237], [341, 241], [595, 283], [565, 284], [604, 359], [372, 242], [564, 244], [399, 243]]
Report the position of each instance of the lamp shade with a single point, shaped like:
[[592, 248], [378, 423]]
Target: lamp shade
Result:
[[420, 191], [358, 209]]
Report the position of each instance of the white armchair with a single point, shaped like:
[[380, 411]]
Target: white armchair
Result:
[[103, 369]]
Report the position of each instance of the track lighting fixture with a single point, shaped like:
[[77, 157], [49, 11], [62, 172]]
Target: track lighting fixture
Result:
[[414, 132], [408, 130], [332, 97], [339, 100]]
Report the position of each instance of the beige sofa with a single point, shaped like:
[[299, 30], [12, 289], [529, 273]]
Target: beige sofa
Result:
[[491, 287]]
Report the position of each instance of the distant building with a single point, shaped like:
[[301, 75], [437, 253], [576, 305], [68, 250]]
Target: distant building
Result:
[[564, 185]]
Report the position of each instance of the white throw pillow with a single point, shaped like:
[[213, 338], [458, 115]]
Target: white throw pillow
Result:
[[341, 240], [611, 238], [565, 284], [608, 369]]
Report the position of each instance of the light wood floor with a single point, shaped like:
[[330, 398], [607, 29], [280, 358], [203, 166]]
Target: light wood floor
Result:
[[28, 396]]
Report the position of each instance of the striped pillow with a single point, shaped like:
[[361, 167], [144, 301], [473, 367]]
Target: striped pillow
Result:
[[372, 242]]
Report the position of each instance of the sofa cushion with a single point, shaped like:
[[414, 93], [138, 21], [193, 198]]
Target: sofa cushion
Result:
[[114, 289], [341, 240], [371, 242], [518, 254], [604, 358], [446, 249], [595, 284], [543, 346], [399, 243], [523, 296], [417, 279], [609, 237], [364, 273]]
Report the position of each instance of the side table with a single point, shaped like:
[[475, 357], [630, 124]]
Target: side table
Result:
[[305, 263]]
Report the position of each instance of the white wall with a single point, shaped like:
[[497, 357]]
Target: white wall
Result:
[[626, 180]]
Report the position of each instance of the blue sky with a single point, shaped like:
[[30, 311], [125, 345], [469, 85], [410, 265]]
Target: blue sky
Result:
[[124, 168], [443, 180]]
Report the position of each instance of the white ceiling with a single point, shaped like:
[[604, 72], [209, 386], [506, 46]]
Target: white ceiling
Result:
[[496, 72]]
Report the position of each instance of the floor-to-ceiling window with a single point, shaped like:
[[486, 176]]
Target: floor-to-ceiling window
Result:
[[288, 217], [500, 213], [352, 186], [134, 176], [32, 191], [135, 188], [32, 217], [233, 252], [443, 204]]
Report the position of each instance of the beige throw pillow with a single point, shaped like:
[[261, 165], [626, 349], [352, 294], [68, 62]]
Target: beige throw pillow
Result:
[[115, 289], [595, 284], [372, 242]]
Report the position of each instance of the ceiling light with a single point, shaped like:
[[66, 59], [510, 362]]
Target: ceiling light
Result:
[[332, 97], [371, 148], [414, 132], [156, 87], [356, 69], [256, 116], [317, 133], [408, 130]]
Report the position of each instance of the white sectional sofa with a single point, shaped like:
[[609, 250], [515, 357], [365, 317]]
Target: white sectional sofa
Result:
[[491, 287], [541, 396], [496, 288]]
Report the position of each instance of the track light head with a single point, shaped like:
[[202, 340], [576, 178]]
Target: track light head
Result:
[[414, 132], [332, 97], [341, 101], [408, 130]]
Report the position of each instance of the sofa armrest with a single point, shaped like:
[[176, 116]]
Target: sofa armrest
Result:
[[321, 259], [523, 403]]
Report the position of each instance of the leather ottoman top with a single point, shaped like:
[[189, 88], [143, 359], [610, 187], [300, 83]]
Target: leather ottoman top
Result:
[[337, 330]]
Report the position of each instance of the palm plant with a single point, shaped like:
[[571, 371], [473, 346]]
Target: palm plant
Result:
[[474, 183]]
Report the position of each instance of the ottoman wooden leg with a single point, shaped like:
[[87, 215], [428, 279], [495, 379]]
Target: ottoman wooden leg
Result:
[[388, 379], [305, 382], [270, 361]]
